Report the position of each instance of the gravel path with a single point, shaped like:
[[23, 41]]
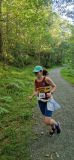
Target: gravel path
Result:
[[58, 147]]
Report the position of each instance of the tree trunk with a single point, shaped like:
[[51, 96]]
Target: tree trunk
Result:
[[1, 43]]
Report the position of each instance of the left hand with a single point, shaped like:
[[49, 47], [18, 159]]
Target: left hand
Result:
[[49, 95]]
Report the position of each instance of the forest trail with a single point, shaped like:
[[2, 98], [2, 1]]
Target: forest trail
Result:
[[58, 147]]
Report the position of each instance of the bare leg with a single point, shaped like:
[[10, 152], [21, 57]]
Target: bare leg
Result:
[[54, 125], [49, 121]]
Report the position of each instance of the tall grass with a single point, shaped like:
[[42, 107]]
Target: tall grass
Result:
[[68, 74], [15, 112]]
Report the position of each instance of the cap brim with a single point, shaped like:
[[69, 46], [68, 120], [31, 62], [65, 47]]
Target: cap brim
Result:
[[35, 71]]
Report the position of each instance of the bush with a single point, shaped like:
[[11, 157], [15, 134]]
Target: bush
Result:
[[8, 58], [23, 60], [6, 99], [3, 111]]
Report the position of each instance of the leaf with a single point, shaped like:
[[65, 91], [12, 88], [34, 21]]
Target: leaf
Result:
[[3, 111]]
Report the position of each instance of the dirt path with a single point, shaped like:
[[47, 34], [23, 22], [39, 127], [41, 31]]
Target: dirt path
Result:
[[57, 147]]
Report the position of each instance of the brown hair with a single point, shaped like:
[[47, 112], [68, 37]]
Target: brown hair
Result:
[[45, 72]]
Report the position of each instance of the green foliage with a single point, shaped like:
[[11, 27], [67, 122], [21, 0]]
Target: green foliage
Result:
[[15, 112], [8, 58], [6, 99], [13, 86], [24, 28], [33, 34], [3, 111], [26, 115], [68, 74], [70, 50]]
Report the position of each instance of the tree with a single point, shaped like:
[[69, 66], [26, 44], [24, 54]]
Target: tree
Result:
[[32, 33], [1, 43]]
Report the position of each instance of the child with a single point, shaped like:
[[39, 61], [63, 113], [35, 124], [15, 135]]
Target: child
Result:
[[44, 88]]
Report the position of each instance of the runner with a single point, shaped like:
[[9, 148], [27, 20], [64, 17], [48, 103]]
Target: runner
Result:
[[44, 88]]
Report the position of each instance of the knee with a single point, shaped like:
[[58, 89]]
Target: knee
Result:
[[47, 121]]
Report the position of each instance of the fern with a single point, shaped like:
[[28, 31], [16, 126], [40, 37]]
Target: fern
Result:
[[3, 111]]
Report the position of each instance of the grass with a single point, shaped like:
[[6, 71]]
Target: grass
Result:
[[15, 112], [68, 74]]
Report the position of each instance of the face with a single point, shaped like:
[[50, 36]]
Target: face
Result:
[[38, 74]]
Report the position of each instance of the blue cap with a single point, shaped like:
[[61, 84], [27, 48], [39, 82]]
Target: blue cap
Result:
[[38, 69]]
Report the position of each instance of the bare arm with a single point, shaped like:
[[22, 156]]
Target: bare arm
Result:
[[33, 94], [51, 83]]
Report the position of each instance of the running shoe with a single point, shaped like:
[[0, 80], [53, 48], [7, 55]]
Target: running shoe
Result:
[[58, 128]]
